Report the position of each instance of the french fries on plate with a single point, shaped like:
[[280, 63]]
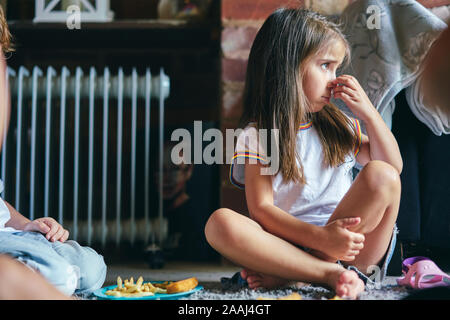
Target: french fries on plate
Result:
[[129, 289]]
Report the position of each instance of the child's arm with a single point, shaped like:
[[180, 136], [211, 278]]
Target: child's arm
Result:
[[52, 230], [333, 239], [17, 220], [380, 144], [259, 195]]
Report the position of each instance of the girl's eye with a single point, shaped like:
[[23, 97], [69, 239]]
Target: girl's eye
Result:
[[326, 63]]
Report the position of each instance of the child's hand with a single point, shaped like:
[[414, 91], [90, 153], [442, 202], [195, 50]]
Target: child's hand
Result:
[[348, 89], [52, 230], [341, 243]]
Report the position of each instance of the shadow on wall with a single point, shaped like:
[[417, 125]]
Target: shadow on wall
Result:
[[190, 195]]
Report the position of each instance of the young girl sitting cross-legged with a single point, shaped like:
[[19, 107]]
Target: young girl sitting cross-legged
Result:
[[310, 221]]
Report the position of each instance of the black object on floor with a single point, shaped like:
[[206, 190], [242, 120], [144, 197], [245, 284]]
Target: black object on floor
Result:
[[155, 257], [234, 283], [437, 293]]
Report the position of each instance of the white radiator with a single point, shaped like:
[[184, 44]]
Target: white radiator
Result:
[[44, 107]]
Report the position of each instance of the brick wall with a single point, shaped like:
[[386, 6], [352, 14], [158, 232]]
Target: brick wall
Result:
[[241, 21], [434, 3]]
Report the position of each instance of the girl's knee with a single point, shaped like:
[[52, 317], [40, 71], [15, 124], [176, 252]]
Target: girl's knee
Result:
[[218, 224], [213, 221], [380, 176]]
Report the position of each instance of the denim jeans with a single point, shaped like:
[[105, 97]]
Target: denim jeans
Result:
[[68, 266]]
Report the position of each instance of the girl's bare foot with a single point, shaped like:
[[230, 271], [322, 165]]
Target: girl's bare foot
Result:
[[346, 283], [260, 280]]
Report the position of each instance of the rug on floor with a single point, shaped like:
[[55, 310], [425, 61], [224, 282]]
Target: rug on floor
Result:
[[213, 291]]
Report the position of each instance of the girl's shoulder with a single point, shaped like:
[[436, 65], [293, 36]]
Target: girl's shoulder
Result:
[[250, 126], [250, 140], [248, 131]]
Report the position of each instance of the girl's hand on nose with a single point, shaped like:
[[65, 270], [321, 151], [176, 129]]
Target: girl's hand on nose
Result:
[[348, 89]]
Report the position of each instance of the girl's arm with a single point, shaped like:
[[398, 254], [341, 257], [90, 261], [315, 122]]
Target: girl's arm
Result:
[[333, 239], [380, 143], [17, 220], [48, 226], [259, 195]]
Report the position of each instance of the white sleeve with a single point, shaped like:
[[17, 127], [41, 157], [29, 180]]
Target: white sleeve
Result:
[[4, 214], [248, 146]]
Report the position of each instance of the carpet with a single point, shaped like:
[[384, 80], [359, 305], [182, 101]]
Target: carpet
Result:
[[213, 291], [388, 290], [209, 276]]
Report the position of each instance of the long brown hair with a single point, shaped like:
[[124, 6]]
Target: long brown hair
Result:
[[273, 93], [5, 35]]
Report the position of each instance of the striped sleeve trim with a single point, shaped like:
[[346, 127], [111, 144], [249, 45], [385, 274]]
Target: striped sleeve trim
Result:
[[359, 137], [247, 155], [305, 126]]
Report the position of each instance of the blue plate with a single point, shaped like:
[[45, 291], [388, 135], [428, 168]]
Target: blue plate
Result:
[[100, 293]]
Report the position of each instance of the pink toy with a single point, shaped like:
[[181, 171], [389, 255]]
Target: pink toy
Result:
[[421, 273]]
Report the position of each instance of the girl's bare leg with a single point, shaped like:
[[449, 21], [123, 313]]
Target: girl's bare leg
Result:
[[375, 197], [243, 241]]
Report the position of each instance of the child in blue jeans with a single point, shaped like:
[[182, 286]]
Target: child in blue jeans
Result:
[[42, 245]]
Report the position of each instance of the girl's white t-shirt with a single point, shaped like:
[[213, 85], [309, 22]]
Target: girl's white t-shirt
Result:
[[313, 202], [4, 213]]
